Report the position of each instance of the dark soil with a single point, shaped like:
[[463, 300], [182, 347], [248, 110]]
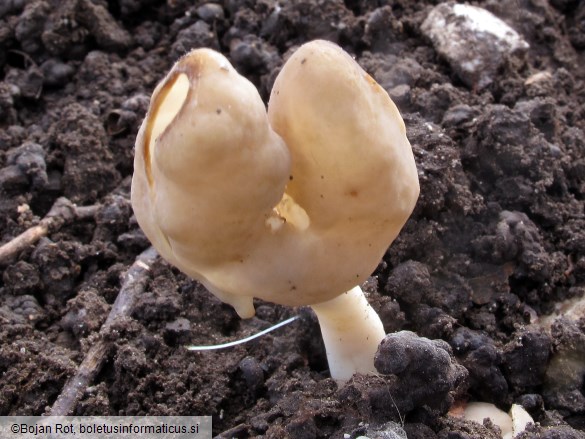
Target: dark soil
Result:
[[497, 239]]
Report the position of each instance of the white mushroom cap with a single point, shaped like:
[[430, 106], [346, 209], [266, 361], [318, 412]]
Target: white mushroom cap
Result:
[[294, 207]]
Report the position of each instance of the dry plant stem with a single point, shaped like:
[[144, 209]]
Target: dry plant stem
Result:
[[62, 212], [133, 284], [240, 430]]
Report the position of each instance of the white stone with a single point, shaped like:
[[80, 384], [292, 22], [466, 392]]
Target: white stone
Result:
[[473, 40]]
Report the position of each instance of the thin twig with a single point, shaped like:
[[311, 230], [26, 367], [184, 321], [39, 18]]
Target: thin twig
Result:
[[240, 430], [62, 212], [133, 285]]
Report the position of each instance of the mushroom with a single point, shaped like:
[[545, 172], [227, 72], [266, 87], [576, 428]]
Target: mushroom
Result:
[[511, 424], [296, 205]]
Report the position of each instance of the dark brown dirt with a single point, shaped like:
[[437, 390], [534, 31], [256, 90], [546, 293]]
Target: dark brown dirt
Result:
[[496, 241]]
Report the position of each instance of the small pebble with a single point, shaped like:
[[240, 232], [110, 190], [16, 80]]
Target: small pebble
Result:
[[210, 12], [56, 73], [473, 41], [253, 373]]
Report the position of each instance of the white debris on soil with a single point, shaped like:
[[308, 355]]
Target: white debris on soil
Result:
[[473, 40], [511, 424], [390, 430], [520, 419], [572, 309], [478, 411]]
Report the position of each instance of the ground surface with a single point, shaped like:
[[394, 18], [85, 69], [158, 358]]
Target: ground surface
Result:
[[497, 239]]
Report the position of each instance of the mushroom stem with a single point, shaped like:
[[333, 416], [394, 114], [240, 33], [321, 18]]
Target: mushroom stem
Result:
[[351, 331]]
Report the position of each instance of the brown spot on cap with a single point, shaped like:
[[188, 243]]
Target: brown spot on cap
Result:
[[370, 80]]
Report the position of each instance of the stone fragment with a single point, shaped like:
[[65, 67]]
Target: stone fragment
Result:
[[472, 40]]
